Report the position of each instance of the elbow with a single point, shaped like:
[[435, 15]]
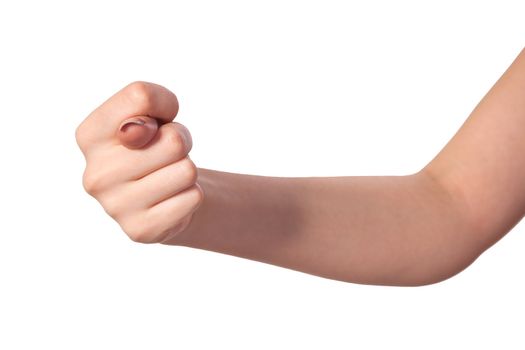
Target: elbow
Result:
[[438, 263], [437, 273], [430, 266], [434, 255], [447, 243], [441, 239]]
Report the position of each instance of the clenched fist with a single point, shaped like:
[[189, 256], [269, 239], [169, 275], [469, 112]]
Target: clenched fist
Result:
[[137, 163]]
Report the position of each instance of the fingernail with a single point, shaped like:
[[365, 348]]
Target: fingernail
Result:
[[137, 121]]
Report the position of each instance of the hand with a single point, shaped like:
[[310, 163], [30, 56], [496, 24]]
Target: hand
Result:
[[138, 167]]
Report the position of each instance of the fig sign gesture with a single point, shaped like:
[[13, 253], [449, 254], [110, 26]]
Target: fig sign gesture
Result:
[[137, 162]]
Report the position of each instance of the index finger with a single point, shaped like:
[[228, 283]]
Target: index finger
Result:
[[136, 99]]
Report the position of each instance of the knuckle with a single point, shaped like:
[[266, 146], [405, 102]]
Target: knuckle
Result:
[[140, 236], [188, 170], [80, 136], [140, 93], [113, 206], [138, 231], [175, 143], [91, 182]]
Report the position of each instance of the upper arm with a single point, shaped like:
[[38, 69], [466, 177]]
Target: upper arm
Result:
[[483, 165]]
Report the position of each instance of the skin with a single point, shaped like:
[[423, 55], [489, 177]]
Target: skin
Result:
[[410, 230]]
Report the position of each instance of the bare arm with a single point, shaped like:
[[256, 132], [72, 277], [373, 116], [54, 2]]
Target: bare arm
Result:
[[394, 230]]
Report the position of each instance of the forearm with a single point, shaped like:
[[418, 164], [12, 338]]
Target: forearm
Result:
[[394, 230]]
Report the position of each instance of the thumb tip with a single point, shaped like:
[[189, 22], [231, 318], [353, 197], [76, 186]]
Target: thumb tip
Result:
[[137, 132]]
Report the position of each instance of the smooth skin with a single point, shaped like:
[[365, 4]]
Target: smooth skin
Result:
[[410, 230]]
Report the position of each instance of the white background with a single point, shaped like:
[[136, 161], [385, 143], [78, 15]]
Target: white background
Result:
[[277, 88]]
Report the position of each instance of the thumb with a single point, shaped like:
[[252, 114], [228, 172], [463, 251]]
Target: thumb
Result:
[[136, 132]]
